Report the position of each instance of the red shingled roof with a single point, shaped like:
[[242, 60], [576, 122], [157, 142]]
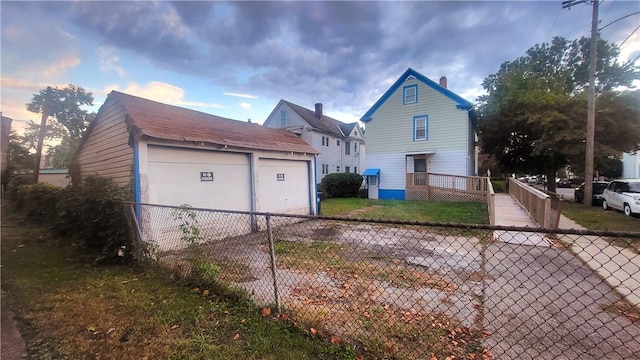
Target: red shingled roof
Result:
[[169, 122]]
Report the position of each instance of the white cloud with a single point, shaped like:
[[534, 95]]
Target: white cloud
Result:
[[110, 61], [240, 95], [162, 92], [245, 105], [57, 69]]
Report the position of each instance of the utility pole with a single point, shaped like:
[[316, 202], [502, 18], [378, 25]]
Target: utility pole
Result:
[[591, 100], [43, 129]]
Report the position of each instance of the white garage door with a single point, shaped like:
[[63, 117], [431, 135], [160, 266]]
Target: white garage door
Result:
[[283, 186], [204, 179]]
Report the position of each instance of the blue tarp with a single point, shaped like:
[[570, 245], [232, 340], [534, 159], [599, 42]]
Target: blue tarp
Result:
[[371, 172]]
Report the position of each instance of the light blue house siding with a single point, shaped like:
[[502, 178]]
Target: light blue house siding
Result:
[[418, 118]]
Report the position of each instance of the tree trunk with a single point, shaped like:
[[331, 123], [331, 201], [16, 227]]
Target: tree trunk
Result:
[[551, 180], [43, 130]]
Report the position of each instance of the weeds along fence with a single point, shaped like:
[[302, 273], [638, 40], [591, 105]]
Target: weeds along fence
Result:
[[415, 290]]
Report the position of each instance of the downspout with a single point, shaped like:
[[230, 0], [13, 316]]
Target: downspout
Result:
[[311, 171]]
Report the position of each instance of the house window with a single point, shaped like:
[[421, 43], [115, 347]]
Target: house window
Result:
[[337, 168], [338, 142], [373, 180], [283, 118], [347, 169], [323, 139], [347, 148], [355, 148], [410, 94], [355, 133], [355, 169], [420, 128]]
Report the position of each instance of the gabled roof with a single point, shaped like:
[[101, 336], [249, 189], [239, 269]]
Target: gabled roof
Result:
[[161, 121], [460, 102], [324, 123], [347, 128]]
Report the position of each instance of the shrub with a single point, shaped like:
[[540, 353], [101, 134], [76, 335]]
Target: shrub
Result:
[[15, 191], [40, 201], [342, 184], [92, 211]]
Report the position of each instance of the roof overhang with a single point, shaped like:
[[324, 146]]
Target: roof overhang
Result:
[[423, 152], [371, 172]]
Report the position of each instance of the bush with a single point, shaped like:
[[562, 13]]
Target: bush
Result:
[[342, 185], [40, 201], [93, 212], [15, 191]]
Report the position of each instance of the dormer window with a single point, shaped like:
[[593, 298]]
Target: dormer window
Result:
[[283, 118], [410, 94]]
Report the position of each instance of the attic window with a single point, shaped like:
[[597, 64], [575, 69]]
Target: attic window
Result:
[[283, 118], [410, 94]]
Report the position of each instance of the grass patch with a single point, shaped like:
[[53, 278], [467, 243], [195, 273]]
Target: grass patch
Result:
[[596, 218], [445, 212], [67, 307]]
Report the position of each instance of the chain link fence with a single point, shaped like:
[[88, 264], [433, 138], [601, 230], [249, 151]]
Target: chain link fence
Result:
[[415, 290]]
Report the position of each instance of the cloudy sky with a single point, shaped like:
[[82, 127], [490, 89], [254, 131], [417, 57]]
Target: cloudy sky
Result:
[[238, 59]]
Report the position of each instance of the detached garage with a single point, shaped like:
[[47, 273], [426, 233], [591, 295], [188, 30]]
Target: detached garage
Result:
[[174, 156]]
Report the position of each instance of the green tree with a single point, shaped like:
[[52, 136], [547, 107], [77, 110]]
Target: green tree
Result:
[[68, 120], [533, 119]]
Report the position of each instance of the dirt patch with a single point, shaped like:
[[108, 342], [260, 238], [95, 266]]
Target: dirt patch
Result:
[[362, 283]]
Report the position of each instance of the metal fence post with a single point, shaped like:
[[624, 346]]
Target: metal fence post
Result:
[[272, 254]]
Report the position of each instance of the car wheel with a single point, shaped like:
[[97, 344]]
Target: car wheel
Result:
[[627, 210], [605, 205]]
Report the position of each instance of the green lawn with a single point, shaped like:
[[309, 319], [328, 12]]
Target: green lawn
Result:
[[441, 212], [596, 218], [69, 308]]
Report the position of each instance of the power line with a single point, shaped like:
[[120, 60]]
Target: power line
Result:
[[616, 20], [606, 12], [625, 40]]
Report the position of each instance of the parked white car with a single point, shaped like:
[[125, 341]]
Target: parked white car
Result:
[[624, 195]]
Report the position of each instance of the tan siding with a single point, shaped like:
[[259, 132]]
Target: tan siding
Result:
[[391, 129], [107, 152]]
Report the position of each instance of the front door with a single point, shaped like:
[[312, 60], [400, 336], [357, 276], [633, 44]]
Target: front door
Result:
[[420, 170], [373, 186]]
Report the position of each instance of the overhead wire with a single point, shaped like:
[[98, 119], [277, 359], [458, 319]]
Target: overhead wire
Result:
[[628, 37]]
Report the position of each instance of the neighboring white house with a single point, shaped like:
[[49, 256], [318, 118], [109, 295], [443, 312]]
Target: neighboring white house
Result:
[[174, 156], [631, 165], [341, 146], [416, 128]]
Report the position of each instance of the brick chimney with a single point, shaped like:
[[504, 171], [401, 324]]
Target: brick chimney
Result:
[[318, 110], [443, 81]]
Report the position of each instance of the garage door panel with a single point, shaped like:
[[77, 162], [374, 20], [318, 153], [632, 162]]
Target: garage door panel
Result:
[[174, 178], [283, 186]]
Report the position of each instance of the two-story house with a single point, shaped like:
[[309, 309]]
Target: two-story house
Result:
[[417, 128], [341, 146]]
